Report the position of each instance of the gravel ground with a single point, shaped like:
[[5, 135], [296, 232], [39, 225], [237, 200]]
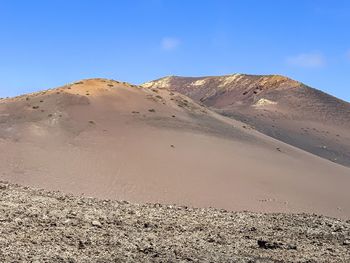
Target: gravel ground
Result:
[[42, 226]]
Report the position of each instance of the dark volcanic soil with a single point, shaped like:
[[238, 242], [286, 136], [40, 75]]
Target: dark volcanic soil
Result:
[[40, 226]]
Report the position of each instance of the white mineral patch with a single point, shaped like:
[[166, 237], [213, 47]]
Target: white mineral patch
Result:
[[264, 102], [148, 84], [162, 83], [229, 79], [199, 82]]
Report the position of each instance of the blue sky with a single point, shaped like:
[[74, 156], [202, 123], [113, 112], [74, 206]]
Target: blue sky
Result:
[[44, 44]]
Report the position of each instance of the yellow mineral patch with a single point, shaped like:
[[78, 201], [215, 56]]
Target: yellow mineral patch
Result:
[[270, 81]]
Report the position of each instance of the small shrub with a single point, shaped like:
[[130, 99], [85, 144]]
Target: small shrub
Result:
[[152, 110]]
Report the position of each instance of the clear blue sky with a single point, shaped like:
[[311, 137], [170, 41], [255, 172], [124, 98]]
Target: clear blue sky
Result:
[[47, 43]]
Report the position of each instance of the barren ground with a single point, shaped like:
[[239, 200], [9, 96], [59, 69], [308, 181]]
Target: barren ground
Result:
[[41, 226], [109, 139]]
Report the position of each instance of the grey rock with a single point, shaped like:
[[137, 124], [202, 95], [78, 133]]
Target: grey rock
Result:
[[64, 228], [96, 223]]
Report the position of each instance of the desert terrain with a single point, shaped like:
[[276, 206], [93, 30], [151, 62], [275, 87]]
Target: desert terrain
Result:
[[277, 106], [150, 144], [42, 226]]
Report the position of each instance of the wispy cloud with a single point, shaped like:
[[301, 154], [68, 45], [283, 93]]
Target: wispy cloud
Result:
[[307, 60], [170, 43]]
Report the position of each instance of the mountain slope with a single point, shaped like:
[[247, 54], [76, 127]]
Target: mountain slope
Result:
[[110, 139], [276, 106]]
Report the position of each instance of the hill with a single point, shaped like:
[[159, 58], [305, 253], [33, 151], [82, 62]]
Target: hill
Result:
[[277, 106], [110, 139]]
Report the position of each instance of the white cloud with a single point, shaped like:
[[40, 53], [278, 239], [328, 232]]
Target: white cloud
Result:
[[169, 43], [307, 60]]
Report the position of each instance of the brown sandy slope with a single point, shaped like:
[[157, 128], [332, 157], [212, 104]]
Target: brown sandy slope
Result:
[[276, 106], [113, 140]]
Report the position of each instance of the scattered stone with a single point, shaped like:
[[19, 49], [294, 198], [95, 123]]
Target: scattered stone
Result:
[[268, 245], [42, 226], [96, 223], [81, 245], [292, 246]]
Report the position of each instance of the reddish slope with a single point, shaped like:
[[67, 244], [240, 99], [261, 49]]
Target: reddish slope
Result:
[[114, 140], [276, 106]]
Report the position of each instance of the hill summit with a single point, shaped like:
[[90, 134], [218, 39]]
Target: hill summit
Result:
[[275, 105]]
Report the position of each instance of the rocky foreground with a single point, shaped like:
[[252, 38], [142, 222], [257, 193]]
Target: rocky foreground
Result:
[[41, 226]]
